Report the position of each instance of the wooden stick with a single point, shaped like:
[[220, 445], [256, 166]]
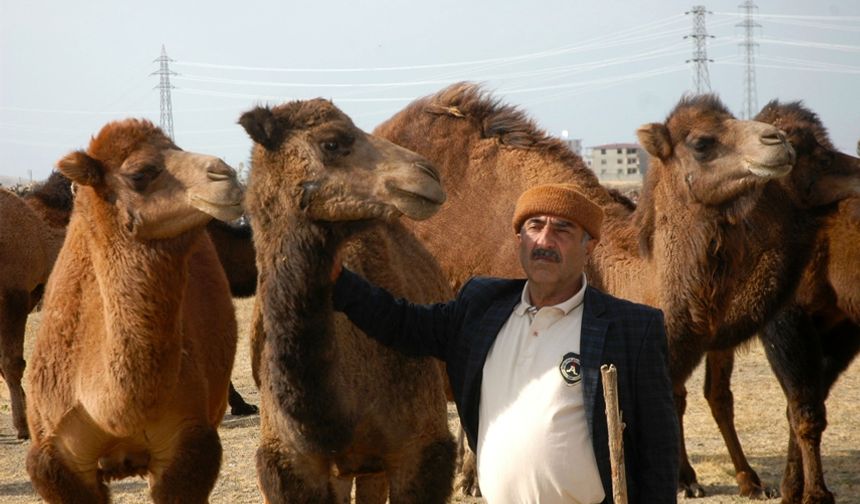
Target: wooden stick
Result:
[[616, 428]]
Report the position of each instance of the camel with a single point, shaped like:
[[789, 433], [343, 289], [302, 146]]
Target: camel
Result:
[[131, 364], [336, 406], [684, 249], [824, 306], [31, 234]]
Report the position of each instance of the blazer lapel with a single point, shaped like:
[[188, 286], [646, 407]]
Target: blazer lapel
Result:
[[592, 338], [491, 323]]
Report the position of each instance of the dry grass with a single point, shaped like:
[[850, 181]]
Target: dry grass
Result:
[[760, 420]]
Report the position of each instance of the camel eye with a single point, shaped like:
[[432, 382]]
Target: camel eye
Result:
[[330, 146], [142, 178], [703, 144]]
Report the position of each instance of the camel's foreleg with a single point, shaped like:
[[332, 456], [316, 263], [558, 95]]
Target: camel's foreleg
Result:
[[291, 478], [426, 478], [191, 474], [793, 348], [56, 483], [718, 392], [14, 307]]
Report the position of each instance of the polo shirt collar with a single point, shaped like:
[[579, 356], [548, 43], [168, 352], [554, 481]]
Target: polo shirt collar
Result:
[[565, 306]]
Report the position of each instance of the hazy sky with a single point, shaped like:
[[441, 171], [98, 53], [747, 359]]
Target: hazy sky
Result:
[[597, 69]]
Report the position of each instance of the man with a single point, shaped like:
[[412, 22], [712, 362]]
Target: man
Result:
[[524, 356]]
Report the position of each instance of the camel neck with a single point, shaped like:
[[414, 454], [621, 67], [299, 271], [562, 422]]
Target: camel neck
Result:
[[141, 289], [298, 321]]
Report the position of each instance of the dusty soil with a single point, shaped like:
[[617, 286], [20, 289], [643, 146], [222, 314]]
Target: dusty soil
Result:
[[760, 416]]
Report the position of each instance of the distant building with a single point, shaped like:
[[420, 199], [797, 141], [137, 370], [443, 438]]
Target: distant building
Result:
[[617, 162], [574, 144]]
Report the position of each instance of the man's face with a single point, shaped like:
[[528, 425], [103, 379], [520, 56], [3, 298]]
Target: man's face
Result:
[[552, 251]]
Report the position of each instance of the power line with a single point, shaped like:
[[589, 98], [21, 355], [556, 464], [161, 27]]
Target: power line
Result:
[[628, 36], [701, 77]]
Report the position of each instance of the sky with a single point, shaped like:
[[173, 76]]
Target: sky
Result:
[[595, 69]]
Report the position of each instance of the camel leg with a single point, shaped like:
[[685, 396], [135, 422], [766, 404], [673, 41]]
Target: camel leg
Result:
[[429, 479], [191, 474], [467, 466], [14, 307], [238, 406], [687, 481], [371, 489], [794, 351], [718, 392], [56, 483], [288, 477]]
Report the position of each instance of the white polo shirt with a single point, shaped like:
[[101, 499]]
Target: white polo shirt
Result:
[[533, 440]]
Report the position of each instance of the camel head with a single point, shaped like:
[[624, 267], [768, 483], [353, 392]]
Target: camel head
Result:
[[717, 157], [822, 175], [148, 185], [309, 156]]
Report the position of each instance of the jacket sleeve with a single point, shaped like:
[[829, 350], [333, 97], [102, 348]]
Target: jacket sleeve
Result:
[[413, 329], [658, 434]]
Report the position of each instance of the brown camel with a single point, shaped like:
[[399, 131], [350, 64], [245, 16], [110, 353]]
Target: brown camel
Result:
[[806, 366], [709, 172], [337, 406], [131, 364], [31, 234]]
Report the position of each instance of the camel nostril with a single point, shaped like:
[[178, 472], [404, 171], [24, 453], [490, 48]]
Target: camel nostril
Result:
[[429, 170], [773, 137]]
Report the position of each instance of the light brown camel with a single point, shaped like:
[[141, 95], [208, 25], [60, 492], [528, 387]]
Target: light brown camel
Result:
[[131, 364], [337, 406], [709, 171], [31, 234], [812, 340]]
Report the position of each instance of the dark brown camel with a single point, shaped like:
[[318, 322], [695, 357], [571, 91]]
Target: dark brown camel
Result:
[[335, 405], [692, 218], [131, 365], [812, 340], [31, 234]]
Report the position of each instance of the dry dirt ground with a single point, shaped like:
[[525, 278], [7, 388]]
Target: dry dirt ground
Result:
[[760, 420]]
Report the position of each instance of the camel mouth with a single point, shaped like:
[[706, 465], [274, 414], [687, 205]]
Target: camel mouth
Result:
[[223, 211], [769, 171], [418, 206]]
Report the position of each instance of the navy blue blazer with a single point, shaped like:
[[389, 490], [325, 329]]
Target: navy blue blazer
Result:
[[614, 331]]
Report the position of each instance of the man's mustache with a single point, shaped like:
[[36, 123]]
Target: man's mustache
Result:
[[546, 254]]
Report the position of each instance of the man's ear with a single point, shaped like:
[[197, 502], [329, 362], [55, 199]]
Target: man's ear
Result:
[[81, 169], [263, 127]]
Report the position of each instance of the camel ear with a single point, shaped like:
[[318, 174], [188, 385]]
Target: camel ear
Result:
[[81, 169], [263, 128], [644, 218], [654, 137]]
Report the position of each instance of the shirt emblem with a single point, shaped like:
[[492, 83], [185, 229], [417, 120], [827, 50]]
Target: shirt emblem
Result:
[[571, 368]]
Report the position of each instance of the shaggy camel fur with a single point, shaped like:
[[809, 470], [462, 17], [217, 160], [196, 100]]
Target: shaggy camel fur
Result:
[[708, 172], [806, 366], [130, 367], [337, 406], [31, 234]]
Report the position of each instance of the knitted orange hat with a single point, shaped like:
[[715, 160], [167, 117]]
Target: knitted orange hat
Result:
[[561, 200]]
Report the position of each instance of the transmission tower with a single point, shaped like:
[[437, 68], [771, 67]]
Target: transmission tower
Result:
[[164, 86], [750, 106], [701, 78]]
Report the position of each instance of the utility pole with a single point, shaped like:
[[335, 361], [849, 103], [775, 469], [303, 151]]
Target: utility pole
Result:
[[164, 86], [750, 106], [701, 78]]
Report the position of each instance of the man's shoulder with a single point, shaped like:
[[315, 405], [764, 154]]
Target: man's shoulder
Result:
[[623, 307], [481, 287]]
